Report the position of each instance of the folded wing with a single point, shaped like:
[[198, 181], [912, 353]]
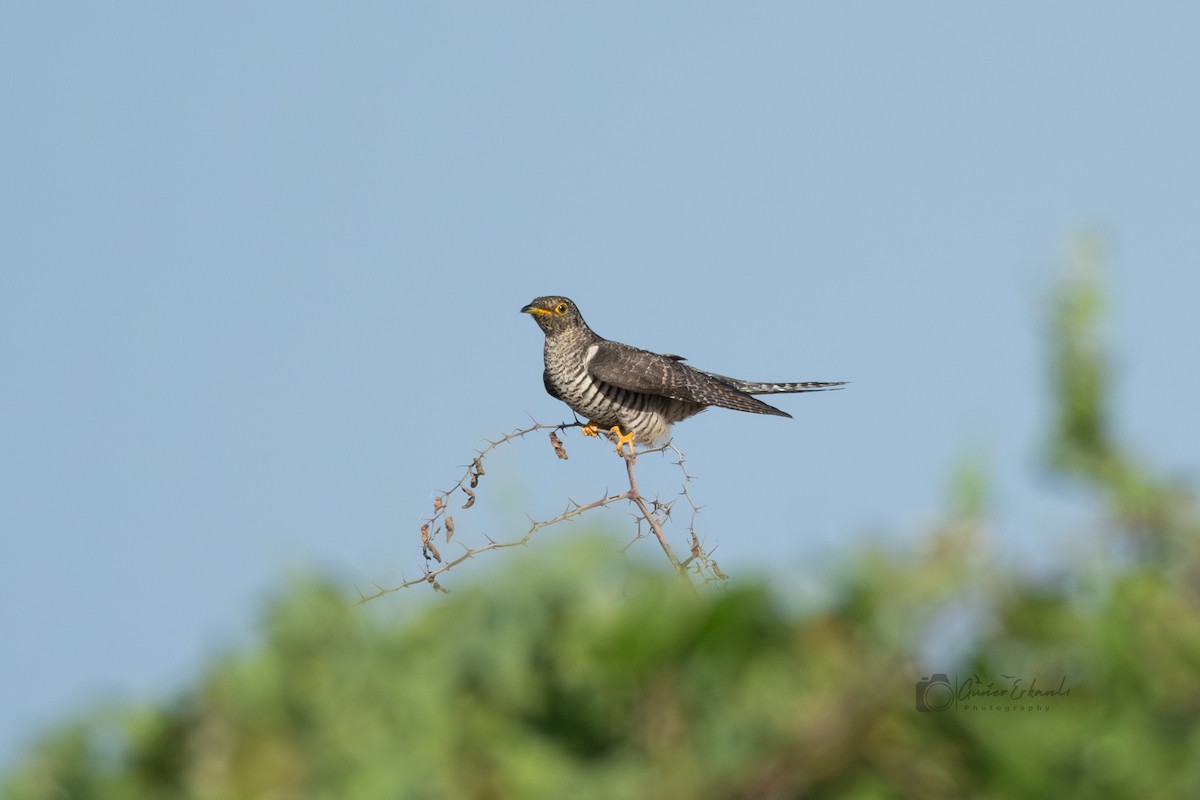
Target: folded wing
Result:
[[638, 370]]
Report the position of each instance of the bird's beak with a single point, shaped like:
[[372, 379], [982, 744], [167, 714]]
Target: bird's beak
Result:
[[534, 310]]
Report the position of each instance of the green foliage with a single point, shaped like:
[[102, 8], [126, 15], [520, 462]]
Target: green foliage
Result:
[[1156, 514], [1082, 438], [581, 675]]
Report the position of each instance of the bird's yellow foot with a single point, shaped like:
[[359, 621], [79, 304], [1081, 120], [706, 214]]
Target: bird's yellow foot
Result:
[[622, 440], [590, 429]]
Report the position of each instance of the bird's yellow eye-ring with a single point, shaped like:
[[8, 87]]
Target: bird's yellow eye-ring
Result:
[[560, 309]]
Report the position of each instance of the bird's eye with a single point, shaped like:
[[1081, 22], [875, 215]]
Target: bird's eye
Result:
[[560, 309]]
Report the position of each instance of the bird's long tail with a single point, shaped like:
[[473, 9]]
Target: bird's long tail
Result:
[[757, 387]]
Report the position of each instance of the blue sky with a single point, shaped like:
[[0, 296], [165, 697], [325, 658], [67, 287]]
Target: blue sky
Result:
[[262, 268]]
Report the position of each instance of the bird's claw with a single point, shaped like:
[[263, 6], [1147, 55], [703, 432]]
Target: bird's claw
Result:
[[590, 429], [622, 440]]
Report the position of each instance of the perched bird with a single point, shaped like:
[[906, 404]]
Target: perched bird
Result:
[[631, 392]]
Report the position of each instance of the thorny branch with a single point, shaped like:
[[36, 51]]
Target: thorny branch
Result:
[[654, 513]]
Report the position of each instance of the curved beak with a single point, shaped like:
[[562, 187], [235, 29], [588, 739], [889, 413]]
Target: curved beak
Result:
[[534, 310]]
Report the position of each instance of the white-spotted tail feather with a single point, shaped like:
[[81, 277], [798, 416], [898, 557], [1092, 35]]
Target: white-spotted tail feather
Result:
[[762, 387]]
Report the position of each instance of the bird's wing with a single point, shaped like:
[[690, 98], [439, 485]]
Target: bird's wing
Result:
[[638, 370]]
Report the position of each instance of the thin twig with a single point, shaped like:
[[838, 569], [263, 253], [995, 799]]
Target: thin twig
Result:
[[704, 567], [637, 499], [430, 577]]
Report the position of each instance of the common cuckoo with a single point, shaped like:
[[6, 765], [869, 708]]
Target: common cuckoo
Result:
[[633, 393]]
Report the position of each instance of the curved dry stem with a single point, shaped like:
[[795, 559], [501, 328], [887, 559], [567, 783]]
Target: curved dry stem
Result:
[[653, 519], [654, 513]]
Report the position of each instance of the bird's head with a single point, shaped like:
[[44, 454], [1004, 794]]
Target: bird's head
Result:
[[554, 314]]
